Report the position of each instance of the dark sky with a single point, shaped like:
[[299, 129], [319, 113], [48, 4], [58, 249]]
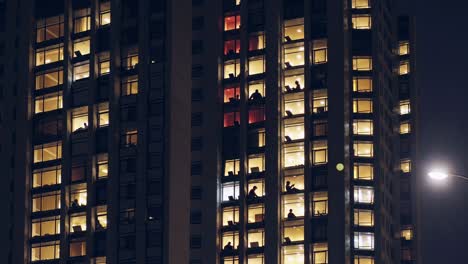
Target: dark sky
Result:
[[442, 65]]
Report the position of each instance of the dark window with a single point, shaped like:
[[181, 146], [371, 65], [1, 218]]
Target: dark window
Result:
[[195, 217], [197, 23], [155, 213], [197, 168], [197, 119], [127, 242], [197, 71], [156, 108], [154, 239], [197, 95], [195, 241], [197, 143], [197, 46], [197, 2], [154, 188], [196, 193]]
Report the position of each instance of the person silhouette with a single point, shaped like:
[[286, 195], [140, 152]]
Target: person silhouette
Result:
[[252, 193], [256, 96], [228, 246], [298, 85], [290, 187], [291, 215]]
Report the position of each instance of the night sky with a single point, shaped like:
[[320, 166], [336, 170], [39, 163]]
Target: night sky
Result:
[[442, 65]]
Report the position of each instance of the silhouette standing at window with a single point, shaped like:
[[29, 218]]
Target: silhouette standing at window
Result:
[[290, 187], [85, 126], [74, 203], [291, 215], [256, 96], [298, 86], [252, 194], [228, 247]]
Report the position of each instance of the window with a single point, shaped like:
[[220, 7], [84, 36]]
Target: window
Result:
[[231, 94], [320, 203], [294, 29], [79, 119], [363, 127], [81, 71], [407, 233], [129, 85], [363, 195], [362, 84], [294, 80], [231, 167], [103, 114], [256, 41], [293, 231], [78, 195], [405, 107], [127, 216], [256, 65], [130, 62], [359, 4], [363, 260], [231, 260], [231, 238], [231, 47], [293, 130], [232, 22], [293, 203], [362, 105], [320, 51], [49, 28], [77, 248], [293, 104], [403, 48], [255, 259], [320, 152], [48, 152], [231, 119], [104, 14], [256, 163], [48, 102], [363, 217], [294, 155], [102, 166], [47, 176], [362, 63], [362, 21], [293, 254], [294, 55], [81, 47], [320, 128], [363, 149], [256, 213], [404, 67], [46, 201], [231, 69], [255, 238], [45, 226], [49, 54], [256, 87], [405, 166], [363, 171], [230, 214], [320, 251], [405, 127], [45, 251], [296, 180], [320, 101], [363, 241], [82, 20], [256, 115], [49, 79], [230, 191], [78, 223], [104, 64], [130, 138], [259, 185]]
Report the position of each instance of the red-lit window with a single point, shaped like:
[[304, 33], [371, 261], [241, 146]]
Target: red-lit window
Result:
[[256, 115], [256, 42], [231, 22], [231, 119], [231, 93], [231, 46]]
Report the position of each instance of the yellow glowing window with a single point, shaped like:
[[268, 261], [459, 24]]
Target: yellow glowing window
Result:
[[255, 259], [49, 79], [103, 114], [47, 176], [363, 194], [320, 152], [230, 191], [294, 29], [129, 86], [320, 51], [405, 166], [405, 107], [256, 65], [130, 62], [362, 105], [77, 248], [363, 217], [363, 171], [101, 217], [293, 104], [258, 185], [362, 84], [362, 21], [46, 201], [363, 127], [363, 260], [47, 152], [404, 67], [403, 48], [81, 47], [104, 14], [102, 166], [231, 167], [256, 238], [256, 163], [78, 195], [362, 63], [294, 80], [130, 138], [293, 254], [294, 55], [293, 183], [45, 226], [320, 251], [294, 155], [232, 22], [405, 127], [79, 119], [293, 206], [320, 101], [231, 69], [359, 4], [81, 71], [82, 20], [78, 223], [363, 149], [294, 130], [45, 251], [231, 260], [49, 28], [230, 238], [49, 54], [256, 213], [104, 67], [363, 240], [257, 42], [293, 231], [407, 234], [230, 216], [256, 89], [320, 203], [48, 102]]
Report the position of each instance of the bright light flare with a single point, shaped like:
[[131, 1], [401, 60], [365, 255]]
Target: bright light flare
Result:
[[438, 175]]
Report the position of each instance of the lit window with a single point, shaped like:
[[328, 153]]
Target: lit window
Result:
[[256, 138], [256, 238], [293, 254], [363, 195], [45, 226], [102, 166], [363, 149], [47, 176], [362, 63], [363, 217], [231, 167], [49, 54], [103, 114], [81, 71], [294, 155], [77, 223], [81, 47], [231, 119], [230, 216], [255, 259], [256, 65], [45, 251], [359, 4], [230, 238], [405, 127], [293, 182], [104, 14], [49, 79], [230, 191], [256, 42], [363, 171], [104, 64], [320, 51], [48, 102], [129, 85], [405, 107], [232, 22], [78, 195], [403, 48], [294, 29], [294, 129], [256, 90], [294, 80], [49, 28], [320, 128], [130, 62], [256, 163], [320, 203], [293, 104], [363, 241], [320, 253], [256, 115], [231, 69], [231, 47], [404, 67], [256, 213], [363, 127], [46, 201], [231, 94], [362, 105], [363, 21], [320, 152], [82, 20], [77, 248], [79, 119], [319, 101], [363, 260], [48, 152], [258, 185], [293, 206], [130, 138], [362, 84], [407, 233], [405, 166], [231, 260], [293, 231], [294, 55]]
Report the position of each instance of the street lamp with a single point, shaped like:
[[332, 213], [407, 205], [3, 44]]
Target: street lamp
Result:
[[440, 175]]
